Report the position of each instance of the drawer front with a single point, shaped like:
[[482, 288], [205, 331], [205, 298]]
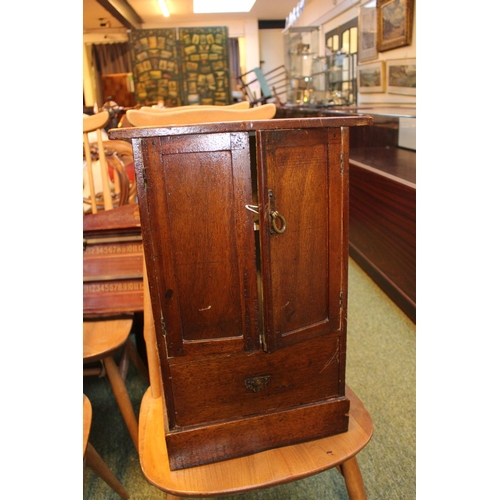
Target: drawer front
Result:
[[240, 385]]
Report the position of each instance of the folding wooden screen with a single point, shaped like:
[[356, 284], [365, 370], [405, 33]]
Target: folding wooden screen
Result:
[[181, 66]]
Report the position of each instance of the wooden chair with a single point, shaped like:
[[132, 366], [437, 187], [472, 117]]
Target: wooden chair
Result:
[[198, 114], [107, 181], [108, 334], [93, 459], [102, 339], [257, 471], [120, 159], [271, 84]]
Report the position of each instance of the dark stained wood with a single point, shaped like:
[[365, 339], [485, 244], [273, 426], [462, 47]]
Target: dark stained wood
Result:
[[197, 402], [239, 438], [390, 161], [247, 364], [310, 251], [204, 250], [382, 236], [382, 216], [382, 132], [244, 126], [122, 219], [112, 262]]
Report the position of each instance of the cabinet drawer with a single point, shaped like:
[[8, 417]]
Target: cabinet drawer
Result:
[[244, 384]]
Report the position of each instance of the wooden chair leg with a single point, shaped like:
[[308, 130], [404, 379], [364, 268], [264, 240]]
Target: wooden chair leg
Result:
[[124, 362], [97, 464], [136, 360], [353, 479], [122, 398], [130, 354]]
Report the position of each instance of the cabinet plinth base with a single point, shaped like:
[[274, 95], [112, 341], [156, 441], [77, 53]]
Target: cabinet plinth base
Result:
[[238, 438]]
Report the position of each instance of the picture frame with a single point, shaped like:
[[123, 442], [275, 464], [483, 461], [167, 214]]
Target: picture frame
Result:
[[402, 76], [394, 23], [367, 31], [371, 77]]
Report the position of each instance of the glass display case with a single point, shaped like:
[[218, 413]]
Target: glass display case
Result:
[[318, 79], [341, 78], [301, 60]]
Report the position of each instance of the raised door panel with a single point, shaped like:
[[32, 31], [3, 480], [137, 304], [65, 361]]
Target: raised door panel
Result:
[[303, 264], [199, 229]]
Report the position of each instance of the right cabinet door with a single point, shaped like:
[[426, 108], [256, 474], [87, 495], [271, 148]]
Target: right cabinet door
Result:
[[302, 189]]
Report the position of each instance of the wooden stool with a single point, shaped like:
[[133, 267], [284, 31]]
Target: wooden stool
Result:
[[101, 339], [92, 458], [261, 470]]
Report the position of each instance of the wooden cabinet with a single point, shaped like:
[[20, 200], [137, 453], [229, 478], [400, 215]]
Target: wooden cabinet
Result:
[[245, 233]]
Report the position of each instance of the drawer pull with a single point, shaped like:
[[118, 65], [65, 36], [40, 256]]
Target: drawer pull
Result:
[[256, 384]]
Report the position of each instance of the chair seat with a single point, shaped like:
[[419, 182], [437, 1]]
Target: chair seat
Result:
[[264, 469], [87, 420], [101, 338]]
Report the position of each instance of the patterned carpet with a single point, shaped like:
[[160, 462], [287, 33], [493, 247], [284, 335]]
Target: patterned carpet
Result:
[[381, 370]]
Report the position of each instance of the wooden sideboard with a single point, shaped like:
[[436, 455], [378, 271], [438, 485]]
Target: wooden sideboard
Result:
[[382, 201]]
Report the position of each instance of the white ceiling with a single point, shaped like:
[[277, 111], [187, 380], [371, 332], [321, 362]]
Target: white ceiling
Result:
[[181, 11]]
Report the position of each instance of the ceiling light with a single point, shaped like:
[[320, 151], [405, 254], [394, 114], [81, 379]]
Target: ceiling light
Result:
[[220, 6], [164, 8]]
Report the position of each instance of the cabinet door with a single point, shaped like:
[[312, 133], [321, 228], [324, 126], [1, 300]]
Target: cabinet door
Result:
[[304, 264], [199, 242]]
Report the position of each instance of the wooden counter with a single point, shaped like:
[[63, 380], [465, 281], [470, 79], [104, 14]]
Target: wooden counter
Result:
[[382, 220]]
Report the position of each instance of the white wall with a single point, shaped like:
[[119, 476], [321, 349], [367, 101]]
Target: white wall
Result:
[[272, 49]]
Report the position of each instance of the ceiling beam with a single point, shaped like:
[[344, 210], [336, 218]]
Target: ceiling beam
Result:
[[123, 12]]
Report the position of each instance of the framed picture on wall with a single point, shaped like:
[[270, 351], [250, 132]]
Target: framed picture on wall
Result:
[[394, 23], [402, 76], [371, 77], [367, 31]]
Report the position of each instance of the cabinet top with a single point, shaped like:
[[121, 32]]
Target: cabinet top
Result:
[[241, 126]]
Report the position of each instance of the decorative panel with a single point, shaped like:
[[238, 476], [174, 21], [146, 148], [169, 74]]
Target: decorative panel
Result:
[[155, 66], [204, 55], [181, 66]]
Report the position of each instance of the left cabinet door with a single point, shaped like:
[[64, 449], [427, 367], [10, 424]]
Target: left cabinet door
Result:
[[200, 242]]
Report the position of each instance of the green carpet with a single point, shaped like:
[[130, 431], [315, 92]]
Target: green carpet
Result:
[[381, 370]]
